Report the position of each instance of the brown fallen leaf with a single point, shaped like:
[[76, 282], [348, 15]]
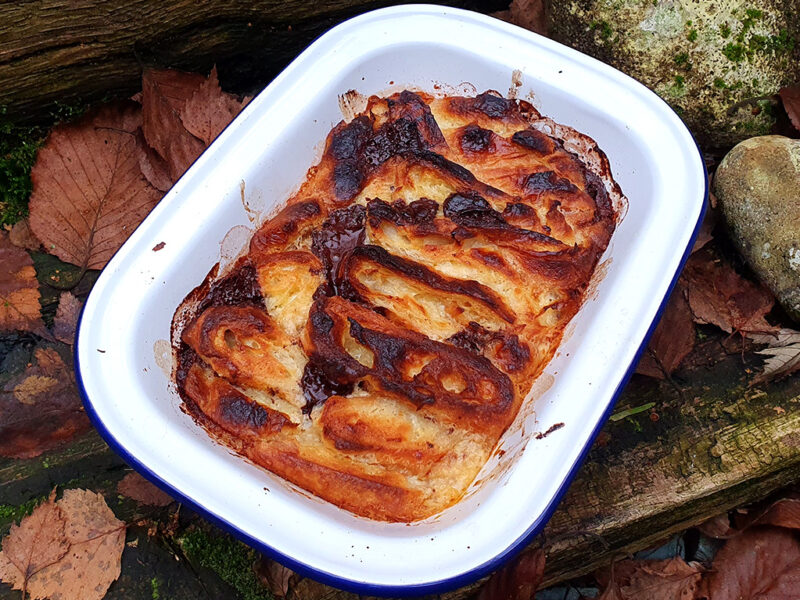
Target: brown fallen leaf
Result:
[[209, 110], [781, 513], [37, 542], [89, 193], [669, 579], [672, 340], [763, 563], [164, 96], [273, 575], [93, 537], [22, 236], [790, 96], [529, 14], [718, 295], [66, 320], [518, 580], [153, 167], [40, 407], [705, 235], [783, 352], [136, 487], [19, 289]]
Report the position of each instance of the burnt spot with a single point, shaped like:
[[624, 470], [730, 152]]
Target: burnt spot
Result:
[[532, 139], [505, 349], [410, 106], [518, 210], [472, 210], [339, 234], [239, 288], [547, 181], [348, 140], [318, 384], [398, 212], [495, 106], [394, 138], [238, 411], [186, 359], [476, 139], [347, 146], [597, 190]]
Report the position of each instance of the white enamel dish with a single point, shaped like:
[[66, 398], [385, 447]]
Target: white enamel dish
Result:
[[122, 352]]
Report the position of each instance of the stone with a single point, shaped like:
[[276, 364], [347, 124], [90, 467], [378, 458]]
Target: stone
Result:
[[758, 188], [717, 63]]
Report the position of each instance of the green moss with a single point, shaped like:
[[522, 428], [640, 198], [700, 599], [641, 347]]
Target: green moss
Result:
[[725, 30], [734, 52], [719, 83], [18, 147], [10, 513], [604, 28], [692, 35], [682, 60], [231, 560], [154, 585]]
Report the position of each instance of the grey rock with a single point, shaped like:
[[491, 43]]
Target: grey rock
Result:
[[714, 61], [758, 188]]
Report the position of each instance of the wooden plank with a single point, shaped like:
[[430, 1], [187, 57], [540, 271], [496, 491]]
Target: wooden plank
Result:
[[715, 444], [85, 50]]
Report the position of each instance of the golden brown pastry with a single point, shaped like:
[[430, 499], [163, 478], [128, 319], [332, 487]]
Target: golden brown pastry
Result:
[[385, 326]]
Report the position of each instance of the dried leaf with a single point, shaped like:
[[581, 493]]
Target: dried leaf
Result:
[[718, 527], [669, 579], [19, 289], [672, 340], [164, 95], [705, 235], [529, 14], [40, 407], [763, 563], [89, 193], [137, 488], [87, 542], [153, 167], [209, 110], [274, 576], [720, 296], [781, 513], [22, 236], [66, 319], [791, 103], [37, 542], [518, 580]]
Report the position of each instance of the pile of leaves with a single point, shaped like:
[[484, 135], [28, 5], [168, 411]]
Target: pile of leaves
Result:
[[94, 180]]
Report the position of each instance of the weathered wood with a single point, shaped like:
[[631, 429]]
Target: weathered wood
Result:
[[70, 51], [715, 444]]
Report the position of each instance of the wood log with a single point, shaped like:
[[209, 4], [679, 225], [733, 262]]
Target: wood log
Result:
[[81, 51], [709, 443]]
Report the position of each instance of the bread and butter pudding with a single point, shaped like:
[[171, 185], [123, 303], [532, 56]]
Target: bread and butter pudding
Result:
[[385, 326]]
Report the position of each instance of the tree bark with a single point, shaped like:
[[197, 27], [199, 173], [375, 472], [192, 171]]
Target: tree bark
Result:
[[81, 51]]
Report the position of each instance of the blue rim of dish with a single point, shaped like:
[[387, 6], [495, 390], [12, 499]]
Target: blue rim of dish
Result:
[[412, 590]]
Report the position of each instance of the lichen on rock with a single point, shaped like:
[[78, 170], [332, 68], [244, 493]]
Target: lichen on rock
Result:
[[713, 62]]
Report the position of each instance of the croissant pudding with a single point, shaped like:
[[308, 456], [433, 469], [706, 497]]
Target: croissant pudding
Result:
[[385, 326]]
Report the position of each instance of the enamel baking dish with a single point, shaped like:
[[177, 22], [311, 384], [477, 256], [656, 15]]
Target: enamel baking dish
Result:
[[123, 355]]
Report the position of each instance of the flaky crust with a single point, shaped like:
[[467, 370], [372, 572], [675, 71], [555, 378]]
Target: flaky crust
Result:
[[385, 326]]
